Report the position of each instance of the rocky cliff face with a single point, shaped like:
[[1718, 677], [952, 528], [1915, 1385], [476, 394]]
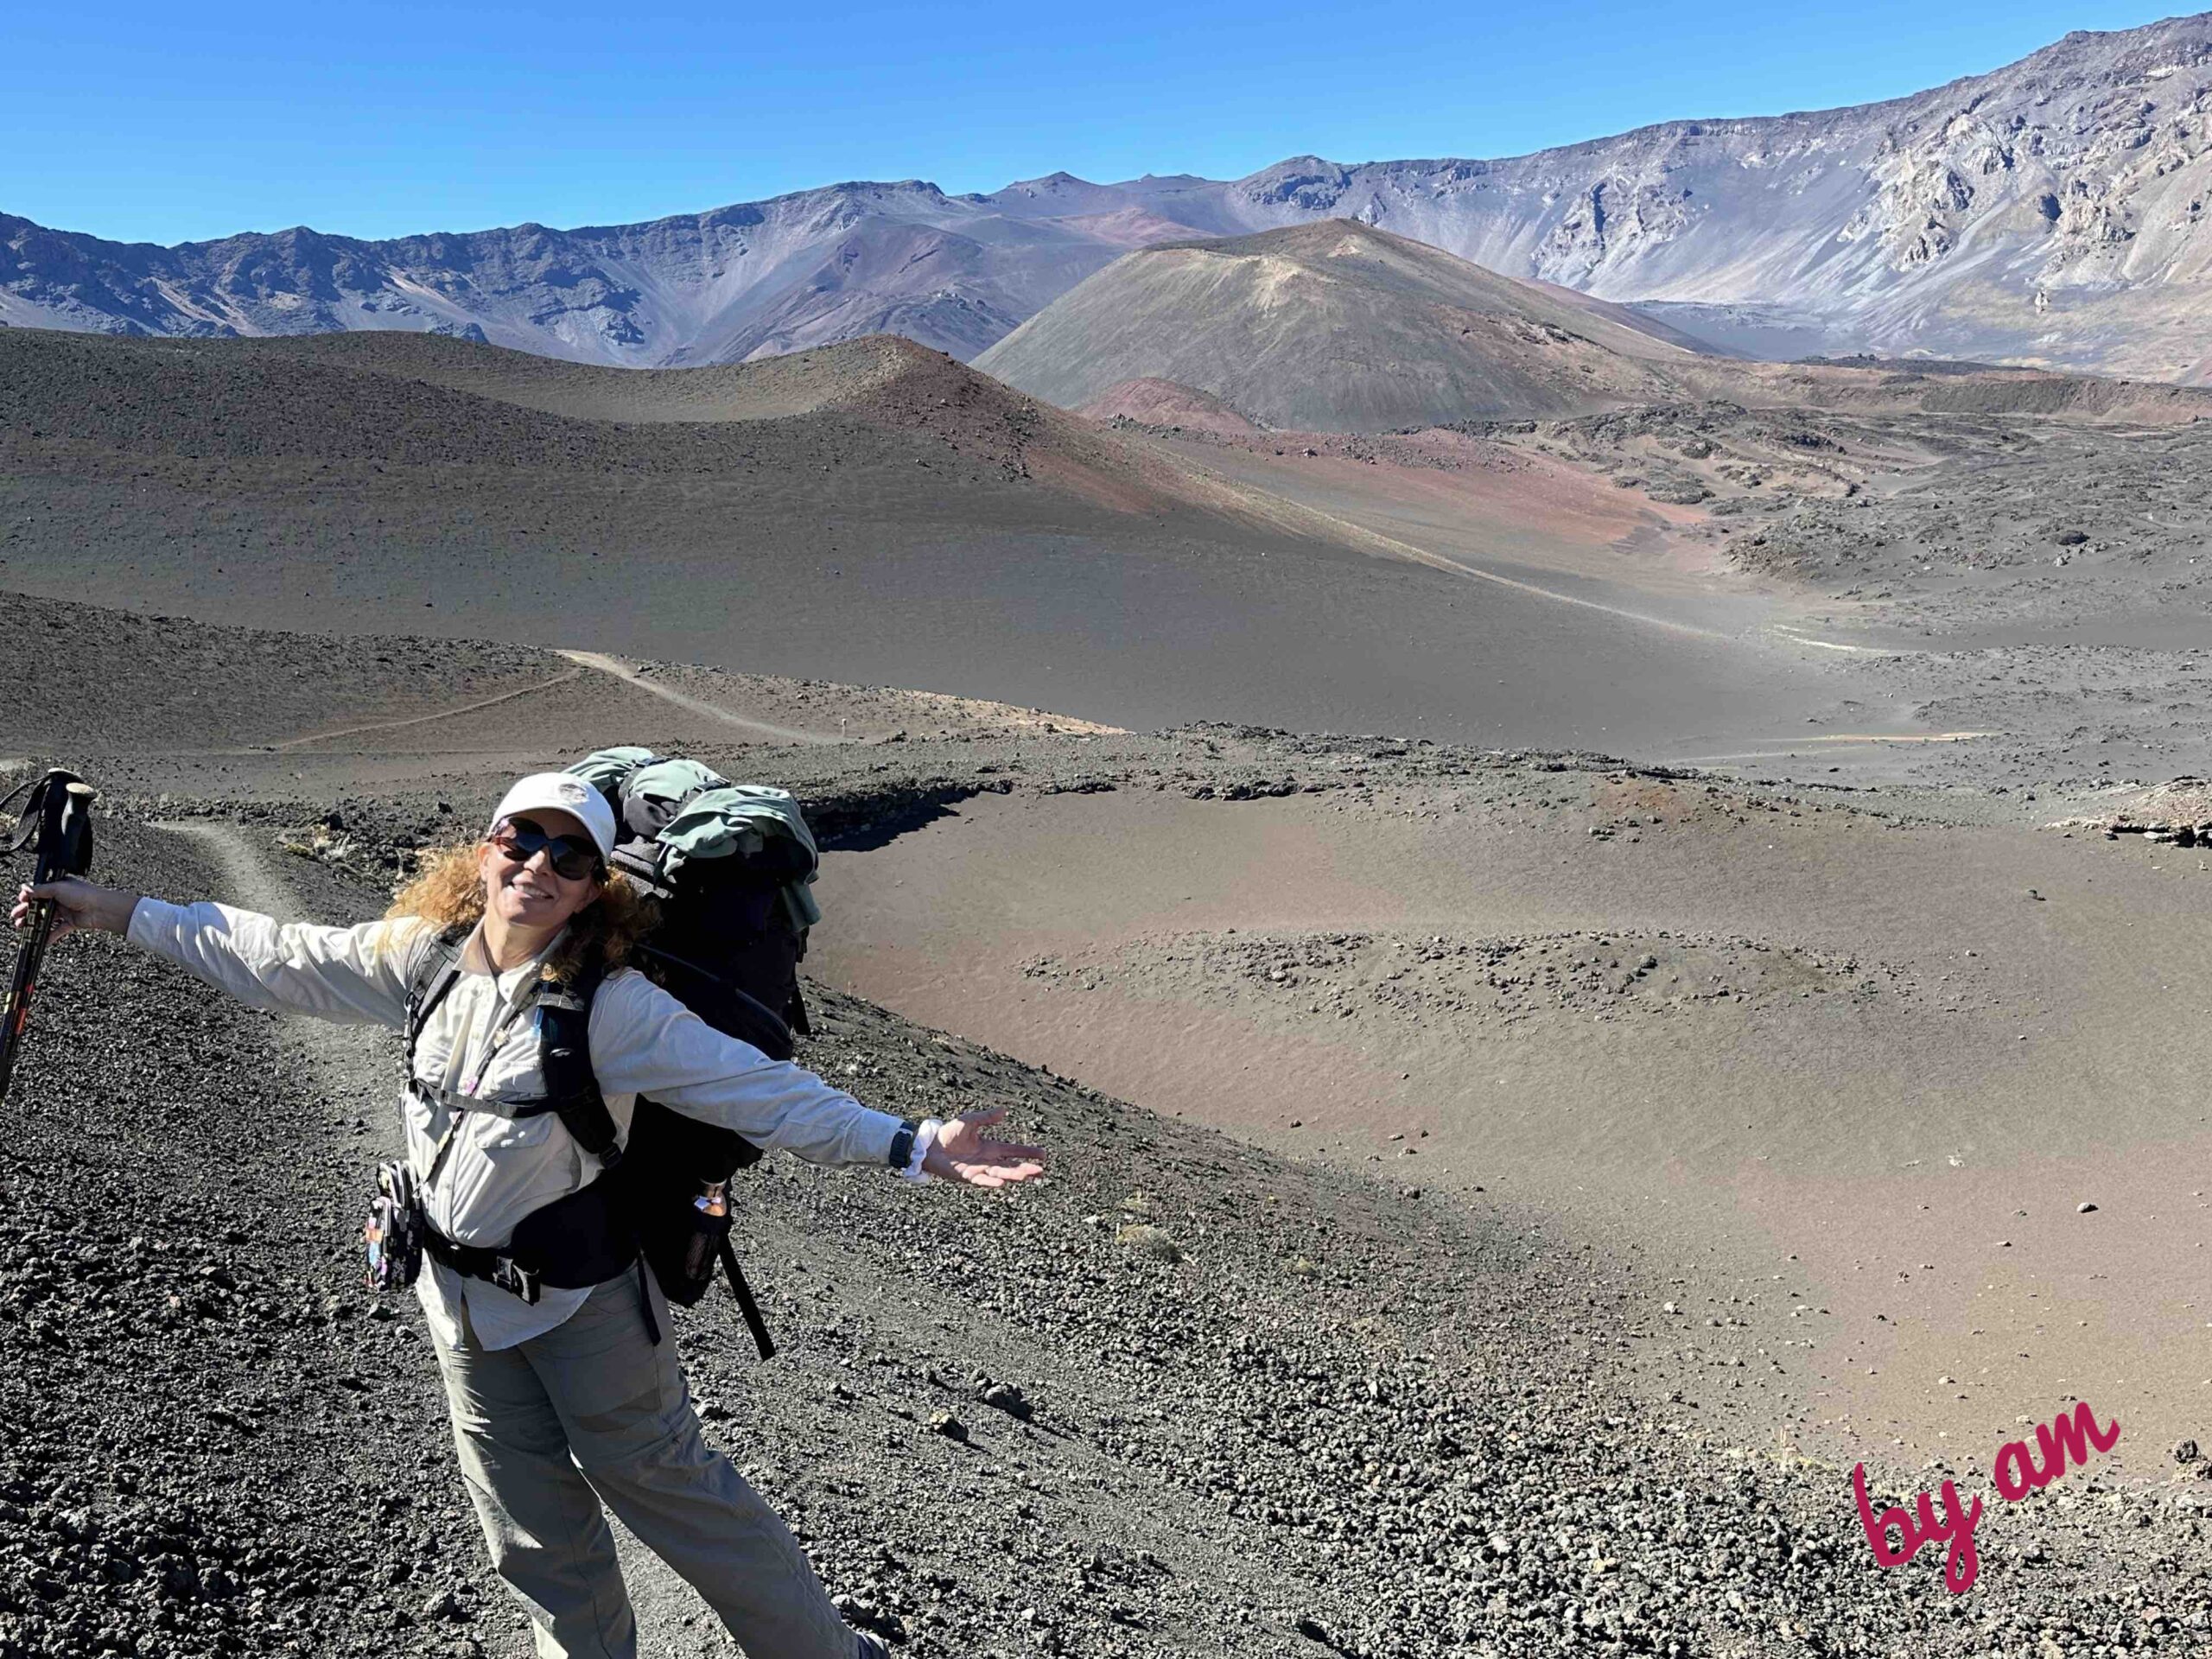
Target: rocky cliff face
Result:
[[756, 279], [2052, 212]]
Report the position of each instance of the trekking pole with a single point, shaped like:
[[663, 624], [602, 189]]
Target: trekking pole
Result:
[[57, 825]]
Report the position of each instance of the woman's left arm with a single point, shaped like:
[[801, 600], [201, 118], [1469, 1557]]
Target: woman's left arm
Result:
[[645, 1041]]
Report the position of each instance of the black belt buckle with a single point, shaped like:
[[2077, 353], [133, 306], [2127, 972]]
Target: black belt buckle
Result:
[[517, 1280]]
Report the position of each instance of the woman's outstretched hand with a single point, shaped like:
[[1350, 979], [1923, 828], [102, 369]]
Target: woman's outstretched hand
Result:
[[78, 906], [963, 1152]]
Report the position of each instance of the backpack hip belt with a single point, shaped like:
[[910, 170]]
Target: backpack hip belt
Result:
[[572, 1243]]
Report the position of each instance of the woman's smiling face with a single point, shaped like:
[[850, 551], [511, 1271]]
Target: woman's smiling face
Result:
[[532, 894]]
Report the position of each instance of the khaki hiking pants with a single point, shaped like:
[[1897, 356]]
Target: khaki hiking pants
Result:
[[592, 1410]]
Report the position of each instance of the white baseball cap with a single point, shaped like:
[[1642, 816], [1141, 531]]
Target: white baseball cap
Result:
[[561, 791]]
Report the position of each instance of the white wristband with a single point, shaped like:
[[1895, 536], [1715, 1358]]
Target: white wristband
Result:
[[924, 1138]]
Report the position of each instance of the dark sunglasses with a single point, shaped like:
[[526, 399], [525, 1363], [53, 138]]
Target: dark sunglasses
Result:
[[573, 857]]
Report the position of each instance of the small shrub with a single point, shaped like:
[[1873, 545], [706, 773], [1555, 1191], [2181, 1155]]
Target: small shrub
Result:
[[1148, 1239]]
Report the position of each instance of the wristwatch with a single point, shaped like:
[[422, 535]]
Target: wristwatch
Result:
[[909, 1147]]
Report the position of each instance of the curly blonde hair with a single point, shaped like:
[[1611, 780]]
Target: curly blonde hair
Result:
[[447, 890]]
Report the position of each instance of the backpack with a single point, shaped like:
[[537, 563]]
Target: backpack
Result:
[[730, 865]]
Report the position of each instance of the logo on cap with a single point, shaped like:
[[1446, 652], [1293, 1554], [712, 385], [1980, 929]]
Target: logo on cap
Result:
[[570, 791]]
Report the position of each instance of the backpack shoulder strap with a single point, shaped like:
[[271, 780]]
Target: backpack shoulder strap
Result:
[[436, 970], [564, 1050]]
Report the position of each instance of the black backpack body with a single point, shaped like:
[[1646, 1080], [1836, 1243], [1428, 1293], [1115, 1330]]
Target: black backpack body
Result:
[[729, 866]]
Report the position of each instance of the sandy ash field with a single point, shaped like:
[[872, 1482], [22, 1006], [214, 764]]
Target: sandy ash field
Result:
[[1580, 971]]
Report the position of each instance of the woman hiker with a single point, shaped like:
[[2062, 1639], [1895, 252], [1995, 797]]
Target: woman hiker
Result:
[[567, 1401]]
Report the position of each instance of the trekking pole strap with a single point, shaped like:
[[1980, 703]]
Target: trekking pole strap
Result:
[[27, 824]]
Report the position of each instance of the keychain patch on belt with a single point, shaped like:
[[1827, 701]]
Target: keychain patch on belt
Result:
[[393, 1232]]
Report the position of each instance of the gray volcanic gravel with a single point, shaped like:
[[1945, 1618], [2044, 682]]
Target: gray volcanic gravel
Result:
[[212, 1446], [1184, 1396], [293, 485]]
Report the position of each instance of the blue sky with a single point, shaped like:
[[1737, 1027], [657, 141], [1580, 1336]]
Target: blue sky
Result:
[[149, 123]]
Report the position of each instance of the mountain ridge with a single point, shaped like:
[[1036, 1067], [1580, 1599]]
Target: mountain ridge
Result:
[[2054, 212]]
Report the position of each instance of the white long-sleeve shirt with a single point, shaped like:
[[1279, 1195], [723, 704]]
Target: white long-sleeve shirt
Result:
[[481, 1041]]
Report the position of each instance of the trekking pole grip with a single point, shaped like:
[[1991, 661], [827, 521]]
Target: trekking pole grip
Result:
[[73, 833]]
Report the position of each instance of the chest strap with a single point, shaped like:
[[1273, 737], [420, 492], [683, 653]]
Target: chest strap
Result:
[[446, 1100]]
